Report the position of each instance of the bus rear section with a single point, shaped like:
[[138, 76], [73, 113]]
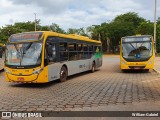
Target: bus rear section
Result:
[[137, 53]]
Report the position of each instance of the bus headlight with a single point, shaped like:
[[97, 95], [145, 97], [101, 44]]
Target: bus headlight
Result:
[[37, 71], [122, 61], [150, 62], [7, 71]]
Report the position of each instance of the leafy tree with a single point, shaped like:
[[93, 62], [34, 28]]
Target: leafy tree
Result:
[[72, 31], [130, 17], [158, 37], [145, 28], [55, 28], [80, 31], [45, 28]]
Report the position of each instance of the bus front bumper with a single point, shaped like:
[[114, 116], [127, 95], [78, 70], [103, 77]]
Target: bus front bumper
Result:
[[137, 65], [35, 78]]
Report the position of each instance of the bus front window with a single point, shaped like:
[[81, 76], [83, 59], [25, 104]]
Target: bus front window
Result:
[[25, 54], [137, 50]]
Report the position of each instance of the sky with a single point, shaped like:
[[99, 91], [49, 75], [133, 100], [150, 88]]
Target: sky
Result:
[[73, 13]]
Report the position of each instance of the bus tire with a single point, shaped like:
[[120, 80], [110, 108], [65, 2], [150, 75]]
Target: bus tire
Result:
[[63, 74], [93, 67]]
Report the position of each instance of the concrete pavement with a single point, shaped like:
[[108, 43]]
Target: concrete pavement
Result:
[[108, 89], [157, 64]]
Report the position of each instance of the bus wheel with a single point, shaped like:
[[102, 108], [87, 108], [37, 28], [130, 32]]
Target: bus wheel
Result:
[[63, 74], [93, 67]]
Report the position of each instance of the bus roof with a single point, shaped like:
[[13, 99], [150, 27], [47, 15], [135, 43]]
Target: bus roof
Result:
[[134, 36], [71, 36]]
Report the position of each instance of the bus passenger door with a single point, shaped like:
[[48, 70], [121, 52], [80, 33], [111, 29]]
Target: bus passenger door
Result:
[[51, 55]]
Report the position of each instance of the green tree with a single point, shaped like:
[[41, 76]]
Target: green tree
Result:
[[145, 28], [80, 31], [55, 28], [158, 37], [131, 17], [71, 31]]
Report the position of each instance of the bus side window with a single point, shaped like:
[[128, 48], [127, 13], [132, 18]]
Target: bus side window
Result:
[[63, 49], [85, 49], [51, 52], [90, 51], [72, 51], [80, 51]]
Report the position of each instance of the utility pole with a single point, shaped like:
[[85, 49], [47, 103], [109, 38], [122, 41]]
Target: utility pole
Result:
[[35, 21], [155, 10]]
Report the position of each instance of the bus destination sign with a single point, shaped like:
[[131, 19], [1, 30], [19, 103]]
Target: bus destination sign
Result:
[[137, 39], [25, 37]]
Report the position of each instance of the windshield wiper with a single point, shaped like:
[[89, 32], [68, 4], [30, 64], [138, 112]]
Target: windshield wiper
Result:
[[25, 49], [28, 46], [19, 53]]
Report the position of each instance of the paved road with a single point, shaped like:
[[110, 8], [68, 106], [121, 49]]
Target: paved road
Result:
[[106, 89], [157, 64]]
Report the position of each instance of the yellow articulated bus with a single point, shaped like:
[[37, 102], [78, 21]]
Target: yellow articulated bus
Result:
[[2, 48], [44, 56], [137, 52]]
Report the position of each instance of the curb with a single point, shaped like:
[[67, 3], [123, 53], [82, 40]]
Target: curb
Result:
[[156, 71]]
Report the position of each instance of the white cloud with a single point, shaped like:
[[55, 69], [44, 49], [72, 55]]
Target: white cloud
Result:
[[73, 13]]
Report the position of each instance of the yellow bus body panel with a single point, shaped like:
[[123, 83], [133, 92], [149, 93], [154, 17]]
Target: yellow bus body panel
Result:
[[124, 65], [26, 76]]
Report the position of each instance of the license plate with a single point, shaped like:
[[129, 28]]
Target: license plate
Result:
[[20, 78], [137, 68]]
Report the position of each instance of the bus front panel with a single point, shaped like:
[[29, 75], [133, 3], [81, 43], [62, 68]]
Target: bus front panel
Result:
[[36, 75], [137, 52], [124, 65]]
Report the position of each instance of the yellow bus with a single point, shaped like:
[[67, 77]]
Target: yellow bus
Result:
[[44, 56], [137, 52], [2, 48]]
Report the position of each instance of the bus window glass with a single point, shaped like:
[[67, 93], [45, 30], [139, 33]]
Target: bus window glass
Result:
[[63, 47], [24, 54], [85, 49], [72, 51], [63, 51], [51, 52], [80, 51], [90, 47], [72, 47], [90, 51], [137, 50]]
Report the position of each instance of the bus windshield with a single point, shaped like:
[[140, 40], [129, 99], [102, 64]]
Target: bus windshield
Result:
[[24, 54], [136, 50]]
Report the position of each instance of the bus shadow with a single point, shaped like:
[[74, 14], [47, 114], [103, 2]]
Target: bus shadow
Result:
[[135, 71], [81, 74], [34, 85], [1, 70], [49, 84]]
